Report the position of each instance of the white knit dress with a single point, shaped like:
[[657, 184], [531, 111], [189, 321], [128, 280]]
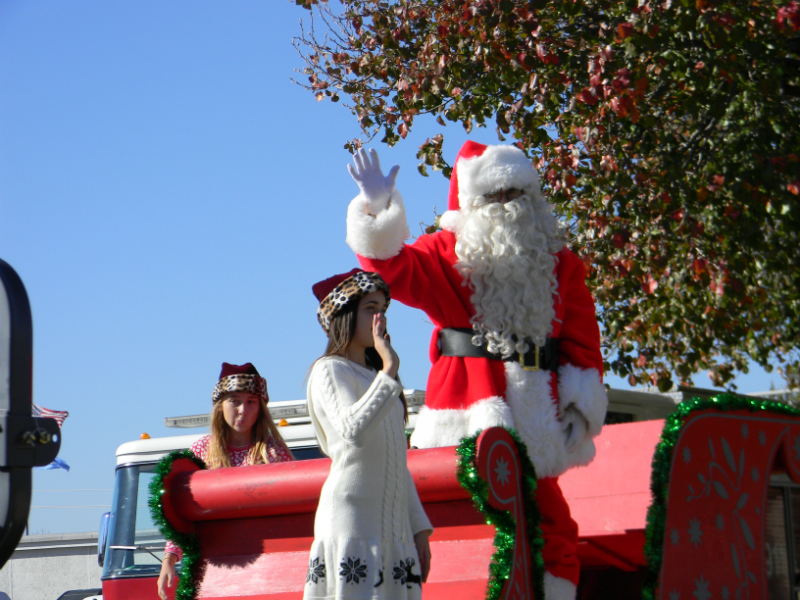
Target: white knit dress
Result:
[[369, 509]]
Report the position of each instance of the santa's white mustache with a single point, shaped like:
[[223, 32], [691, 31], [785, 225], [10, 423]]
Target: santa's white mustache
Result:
[[508, 212]]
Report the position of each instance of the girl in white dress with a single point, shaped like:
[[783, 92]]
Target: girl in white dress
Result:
[[370, 532]]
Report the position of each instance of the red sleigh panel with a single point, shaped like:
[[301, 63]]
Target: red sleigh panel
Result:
[[718, 503]]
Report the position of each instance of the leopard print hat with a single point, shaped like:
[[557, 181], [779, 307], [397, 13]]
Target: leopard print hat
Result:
[[240, 378], [335, 292]]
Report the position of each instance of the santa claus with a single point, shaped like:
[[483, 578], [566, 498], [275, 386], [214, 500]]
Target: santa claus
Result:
[[515, 340]]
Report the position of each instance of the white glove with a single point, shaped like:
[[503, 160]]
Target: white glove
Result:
[[367, 173], [574, 426]]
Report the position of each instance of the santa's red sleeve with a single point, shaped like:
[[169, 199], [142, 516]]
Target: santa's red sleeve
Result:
[[418, 277], [580, 372]]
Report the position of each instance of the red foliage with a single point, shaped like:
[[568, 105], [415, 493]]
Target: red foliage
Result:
[[587, 97], [624, 30], [789, 15]]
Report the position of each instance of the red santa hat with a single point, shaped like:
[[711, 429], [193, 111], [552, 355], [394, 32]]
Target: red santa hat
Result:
[[481, 170], [239, 378], [338, 291]]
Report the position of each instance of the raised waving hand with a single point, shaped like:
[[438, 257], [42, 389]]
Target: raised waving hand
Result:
[[367, 174]]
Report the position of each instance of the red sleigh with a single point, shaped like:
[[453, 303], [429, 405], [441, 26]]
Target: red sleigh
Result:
[[716, 527], [254, 525]]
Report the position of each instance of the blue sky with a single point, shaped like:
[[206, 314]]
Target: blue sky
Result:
[[168, 197]]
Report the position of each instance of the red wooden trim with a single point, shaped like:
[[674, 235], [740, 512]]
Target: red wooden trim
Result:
[[294, 488]]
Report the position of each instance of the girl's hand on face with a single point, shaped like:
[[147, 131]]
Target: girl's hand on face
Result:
[[424, 552], [391, 362]]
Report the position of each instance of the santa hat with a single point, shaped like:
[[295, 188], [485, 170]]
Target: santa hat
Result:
[[240, 378], [336, 292], [481, 170]]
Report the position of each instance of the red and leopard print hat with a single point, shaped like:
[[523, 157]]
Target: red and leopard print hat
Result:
[[335, 292], [240, 378]]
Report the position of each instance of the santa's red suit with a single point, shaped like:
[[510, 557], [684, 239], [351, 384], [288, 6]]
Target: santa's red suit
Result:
[[466, 394]]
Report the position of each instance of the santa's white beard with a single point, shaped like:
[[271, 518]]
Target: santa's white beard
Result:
[[507, 253]]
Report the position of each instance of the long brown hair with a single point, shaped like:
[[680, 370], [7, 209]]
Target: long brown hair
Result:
[[263, 428], [342, 331]]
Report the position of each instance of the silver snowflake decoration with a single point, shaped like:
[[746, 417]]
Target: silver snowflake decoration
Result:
[[724, 592], [745, 430], [701, 589], [695, 533], [687, 454], [762, 438], [754, 474], [675, 537], [673, 595], [720, 522], [502, 471]]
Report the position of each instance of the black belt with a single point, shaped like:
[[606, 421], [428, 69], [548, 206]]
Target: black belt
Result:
[[457, 341]]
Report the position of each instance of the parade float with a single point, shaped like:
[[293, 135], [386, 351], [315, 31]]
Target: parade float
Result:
[[698, 505]]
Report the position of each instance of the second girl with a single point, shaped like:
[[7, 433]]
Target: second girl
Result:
[[370, 531]]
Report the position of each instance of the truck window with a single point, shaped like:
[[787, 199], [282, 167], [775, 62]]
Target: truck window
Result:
[[782, 537], [307, 453], [135, 545]]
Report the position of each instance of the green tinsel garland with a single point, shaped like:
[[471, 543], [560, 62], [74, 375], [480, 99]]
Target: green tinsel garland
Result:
[[505, 525], [662, 460], [191, 569]]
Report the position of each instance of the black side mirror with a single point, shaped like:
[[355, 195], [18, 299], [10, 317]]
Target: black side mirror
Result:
[[25, 441]]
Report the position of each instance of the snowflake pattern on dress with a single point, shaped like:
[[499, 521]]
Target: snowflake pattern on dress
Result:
[[316, 570], [240, 457], [353, 571]]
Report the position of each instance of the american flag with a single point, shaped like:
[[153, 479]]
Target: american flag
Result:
[[41, 411]]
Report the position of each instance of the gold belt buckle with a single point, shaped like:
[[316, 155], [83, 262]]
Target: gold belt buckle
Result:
[[535, 366]]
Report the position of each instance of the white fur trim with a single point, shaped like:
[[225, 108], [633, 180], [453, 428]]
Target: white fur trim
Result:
[[531, 410], [556, 588], [492, 412], [436, 428], [584, 389], [451, 220], [499, 167], [535, 414], [379, 237], [582, 454]]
